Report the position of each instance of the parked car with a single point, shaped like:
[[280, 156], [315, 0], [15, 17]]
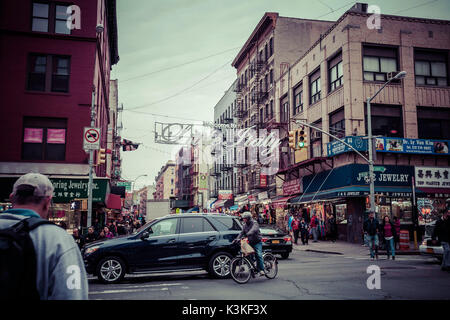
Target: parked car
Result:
[[431, 247], [167, 244], [276, 240]]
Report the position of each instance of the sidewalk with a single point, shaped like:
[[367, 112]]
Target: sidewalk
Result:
[[346, 248]]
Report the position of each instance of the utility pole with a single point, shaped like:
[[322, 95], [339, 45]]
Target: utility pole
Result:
[[91, 163]]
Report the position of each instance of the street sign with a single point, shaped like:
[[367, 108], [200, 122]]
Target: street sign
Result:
[[91, 138]]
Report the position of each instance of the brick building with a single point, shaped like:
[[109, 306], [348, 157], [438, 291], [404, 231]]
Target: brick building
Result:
[[49, 72]]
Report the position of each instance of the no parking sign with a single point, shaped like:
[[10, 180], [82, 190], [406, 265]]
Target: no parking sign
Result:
[[91, 138]]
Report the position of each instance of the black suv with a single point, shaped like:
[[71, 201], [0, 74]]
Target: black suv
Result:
[[171, 243]]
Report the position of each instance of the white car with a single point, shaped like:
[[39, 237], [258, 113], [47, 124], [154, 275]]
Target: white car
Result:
[[431, 247]]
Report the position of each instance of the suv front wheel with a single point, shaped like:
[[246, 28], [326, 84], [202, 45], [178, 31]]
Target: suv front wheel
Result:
[[111, 270], [219, 265]]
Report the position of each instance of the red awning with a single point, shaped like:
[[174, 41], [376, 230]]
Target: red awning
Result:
[[219, 203], [114, 202], [281, 202]]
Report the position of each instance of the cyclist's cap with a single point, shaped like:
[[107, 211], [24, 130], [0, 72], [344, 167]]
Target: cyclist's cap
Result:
[[246, 215], [41, 184]]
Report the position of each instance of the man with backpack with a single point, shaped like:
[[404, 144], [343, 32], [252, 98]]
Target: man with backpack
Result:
[[38, 260]]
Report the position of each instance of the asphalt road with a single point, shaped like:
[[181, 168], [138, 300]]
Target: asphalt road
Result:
[[304, 276]]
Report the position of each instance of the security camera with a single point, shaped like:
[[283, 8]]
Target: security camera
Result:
[[99, 28]]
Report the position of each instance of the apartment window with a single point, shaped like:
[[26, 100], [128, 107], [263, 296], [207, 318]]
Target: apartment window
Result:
[[271, 77], [266, 82], [337, 124], [266, 53], [430, 68], [271, 109], [37, 71], [284, 110], [335, 73], [298, 99], [40, 17], [44, 139], [314, 86], [261, 115], [50, 17], [316, 140], [48, 73], [433, 123], [270, 47], [378, 62], [267, 111], [387, 120], [61, 17]]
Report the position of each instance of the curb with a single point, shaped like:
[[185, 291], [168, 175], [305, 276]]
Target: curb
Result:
[[321, 251]]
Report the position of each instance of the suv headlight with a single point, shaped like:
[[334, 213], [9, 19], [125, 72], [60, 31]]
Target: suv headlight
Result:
[[91, 250]]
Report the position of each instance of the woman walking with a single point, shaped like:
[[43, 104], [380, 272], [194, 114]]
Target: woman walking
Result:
[[389, 234]]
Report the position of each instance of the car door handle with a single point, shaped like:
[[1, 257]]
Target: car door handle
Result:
[[212, 238], [171, 241]]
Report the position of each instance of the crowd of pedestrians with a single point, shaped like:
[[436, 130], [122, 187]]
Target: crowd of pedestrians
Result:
[[111, 230]]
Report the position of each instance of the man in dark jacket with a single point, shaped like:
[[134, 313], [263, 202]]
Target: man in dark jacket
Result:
[[442, 233], [251, 231], [371, 228]]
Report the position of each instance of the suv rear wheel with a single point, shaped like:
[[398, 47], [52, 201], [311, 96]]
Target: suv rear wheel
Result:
[[111, 270], [219, 265]]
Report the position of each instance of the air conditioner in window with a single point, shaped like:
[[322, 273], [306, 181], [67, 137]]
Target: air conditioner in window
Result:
[[284, 149], [316, 135]]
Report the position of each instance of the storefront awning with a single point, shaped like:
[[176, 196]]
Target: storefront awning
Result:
[[114, 202], [354, 191], [445, 192], [223, 203], [281, 202]]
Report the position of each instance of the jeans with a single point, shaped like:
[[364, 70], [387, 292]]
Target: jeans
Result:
[[390, 247], [258, 254], [315, 233], [372, 243]]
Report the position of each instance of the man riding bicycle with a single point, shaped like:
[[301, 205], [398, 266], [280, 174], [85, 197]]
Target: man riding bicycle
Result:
[[252, 232]]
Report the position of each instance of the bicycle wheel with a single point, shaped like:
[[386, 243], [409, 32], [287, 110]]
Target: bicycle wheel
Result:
[[270, 265], [240, 270]]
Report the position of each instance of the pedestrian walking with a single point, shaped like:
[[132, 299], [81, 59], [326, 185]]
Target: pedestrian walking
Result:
[[77, 237], [44, 262], [442, 233], [304, 231], [397, 233], [389, 233], [296, 228], [314, 226], [90, 236], [371, 228], [332, 228]]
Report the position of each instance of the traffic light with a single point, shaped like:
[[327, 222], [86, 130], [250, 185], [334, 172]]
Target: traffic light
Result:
[[292, 139], [101, 156], [302, 141]]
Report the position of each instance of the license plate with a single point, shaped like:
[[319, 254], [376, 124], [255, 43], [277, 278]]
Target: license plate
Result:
[[275, 241], [430, 250]]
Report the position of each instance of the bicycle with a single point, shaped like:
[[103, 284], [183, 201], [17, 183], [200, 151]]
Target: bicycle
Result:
[[242, 268]]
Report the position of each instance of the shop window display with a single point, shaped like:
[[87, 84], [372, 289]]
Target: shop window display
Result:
[[341, 213], [429, 209]]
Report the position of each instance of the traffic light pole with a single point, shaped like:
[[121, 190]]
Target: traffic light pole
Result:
[[91, 164]]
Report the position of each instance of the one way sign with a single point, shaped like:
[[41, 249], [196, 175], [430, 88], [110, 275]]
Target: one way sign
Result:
[[91, 138]]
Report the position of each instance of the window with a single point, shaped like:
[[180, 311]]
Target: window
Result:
[[61, 17], [387, 120], [40, 17], [271, 77], [337, 124], [50, 17], [270, 47], [271, 109], [430, 68], [378, 62], [266, 53], [267, 111], [44, 139], [36, 74], [48, 73], [261, 115], [314, 86], [226, 224], [316, 140], [433, 123], [335, 72], [164, 227], [298, 99], [284, 110]]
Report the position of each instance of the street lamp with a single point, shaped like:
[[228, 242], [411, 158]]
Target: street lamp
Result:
[[398, 76], [134, 181]]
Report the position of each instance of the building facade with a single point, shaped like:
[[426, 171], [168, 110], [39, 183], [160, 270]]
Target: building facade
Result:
[[328, 87], [52, 72], [165, 182]]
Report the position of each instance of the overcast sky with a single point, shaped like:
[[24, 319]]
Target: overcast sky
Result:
[[175, 60]]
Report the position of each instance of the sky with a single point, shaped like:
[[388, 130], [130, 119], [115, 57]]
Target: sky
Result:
[[175, 60]]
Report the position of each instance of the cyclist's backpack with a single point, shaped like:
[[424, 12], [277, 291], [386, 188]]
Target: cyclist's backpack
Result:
[[18, 265]]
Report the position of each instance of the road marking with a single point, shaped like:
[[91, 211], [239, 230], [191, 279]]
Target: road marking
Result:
[[138, 288]]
